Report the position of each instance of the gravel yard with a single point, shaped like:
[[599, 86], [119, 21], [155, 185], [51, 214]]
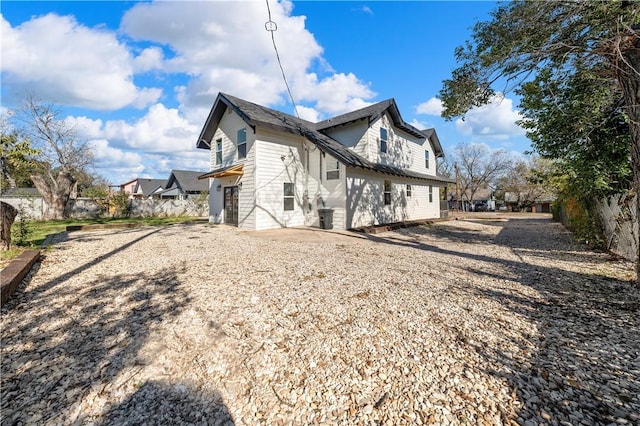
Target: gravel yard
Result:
[[465, 322]]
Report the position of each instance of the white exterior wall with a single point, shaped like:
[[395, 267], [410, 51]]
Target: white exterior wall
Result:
[[354, 136], [365, 200], [323, 193], [403, 150], [272, 171], [227, 131], [356, 198]]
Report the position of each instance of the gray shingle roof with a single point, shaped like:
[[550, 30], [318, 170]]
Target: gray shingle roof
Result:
[[149, 185], [257, 115], [187, 181], [372, 113]]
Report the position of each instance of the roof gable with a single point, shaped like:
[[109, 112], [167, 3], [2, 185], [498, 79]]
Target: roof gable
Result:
[[186, 181], [250, 113], [372, 113], [148, 186], [257, 115]]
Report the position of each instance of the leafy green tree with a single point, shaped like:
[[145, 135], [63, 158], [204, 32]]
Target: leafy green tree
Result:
[[579, 121], [564, 44], [16, 161]]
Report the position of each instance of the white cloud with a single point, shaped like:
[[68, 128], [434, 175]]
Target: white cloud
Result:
[[367, 9], [162, 129], [496, 119], [336, 94], [223, 46], [420, 125], [108, 156], [431, 107], [149, 59], [308, 114], [85, 127], [68, 63]]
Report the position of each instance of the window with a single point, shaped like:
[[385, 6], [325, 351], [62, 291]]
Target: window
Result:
[[426, 159], [242, 143], [431, 193], [408, 190], [289, 192], [383, 139], [387, 192], [333, 169], [218, 151]]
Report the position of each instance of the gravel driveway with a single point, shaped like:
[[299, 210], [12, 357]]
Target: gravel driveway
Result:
[[466, 322]]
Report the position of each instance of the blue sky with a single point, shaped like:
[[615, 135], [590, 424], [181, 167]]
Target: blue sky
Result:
[[137, 79]]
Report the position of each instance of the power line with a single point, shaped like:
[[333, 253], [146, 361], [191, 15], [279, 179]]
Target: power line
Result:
[[272, 27]]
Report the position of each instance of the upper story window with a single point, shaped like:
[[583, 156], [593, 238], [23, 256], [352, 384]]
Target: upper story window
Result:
[[333, 169], [409, 191], [289, 194], [242, 143], [218, 151], [387, 192], [426, 159], [383, 139]]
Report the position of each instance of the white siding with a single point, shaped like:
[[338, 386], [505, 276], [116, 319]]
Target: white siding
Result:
[[354, 136], [227, 131], [365, 200], [324, 193], [403, 150], [278, 160]]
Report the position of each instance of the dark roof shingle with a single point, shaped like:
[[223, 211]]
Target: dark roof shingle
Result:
[[254, 114], [187, 181]]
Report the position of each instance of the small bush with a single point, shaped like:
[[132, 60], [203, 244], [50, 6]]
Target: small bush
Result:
[[21, 230]]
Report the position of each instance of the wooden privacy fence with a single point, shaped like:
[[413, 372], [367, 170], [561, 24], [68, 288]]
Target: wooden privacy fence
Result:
[[620, 224]]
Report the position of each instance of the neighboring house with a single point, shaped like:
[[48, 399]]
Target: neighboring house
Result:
[[483, 200], [148, 188], [129, 187], [536, 203], [270, 169], [183, 184]]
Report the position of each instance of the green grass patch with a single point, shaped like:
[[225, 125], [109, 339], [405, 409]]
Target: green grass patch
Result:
[[10, 254], [38, 230]]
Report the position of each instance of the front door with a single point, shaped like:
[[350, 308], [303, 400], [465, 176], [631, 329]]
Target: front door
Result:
[[231, 205]]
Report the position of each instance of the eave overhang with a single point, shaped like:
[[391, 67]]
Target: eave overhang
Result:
[[235, 170]]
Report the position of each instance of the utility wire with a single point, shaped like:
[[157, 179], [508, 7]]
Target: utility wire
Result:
[[272, 28]]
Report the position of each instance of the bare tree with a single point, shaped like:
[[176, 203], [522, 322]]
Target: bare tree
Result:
[[525, 183], [62, 154], [478, 168]]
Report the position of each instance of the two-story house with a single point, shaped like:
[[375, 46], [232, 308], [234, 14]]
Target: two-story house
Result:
[[270, 169]]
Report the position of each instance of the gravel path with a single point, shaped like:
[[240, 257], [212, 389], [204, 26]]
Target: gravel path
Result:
[[467, 322]]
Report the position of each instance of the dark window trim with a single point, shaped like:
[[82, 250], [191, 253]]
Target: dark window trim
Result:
[[387, 194], [384, 141], [218, 151], [333, 174], [288, 202], [242, 153]]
